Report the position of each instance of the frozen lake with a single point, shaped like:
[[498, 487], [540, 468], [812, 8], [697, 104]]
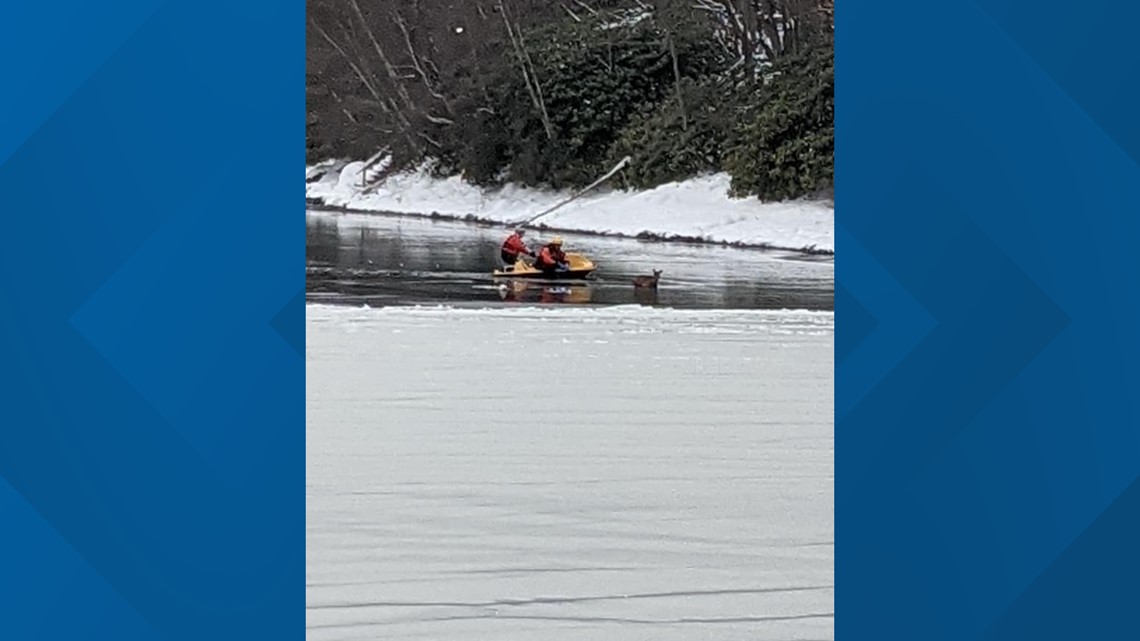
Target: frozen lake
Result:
[[569, 473]]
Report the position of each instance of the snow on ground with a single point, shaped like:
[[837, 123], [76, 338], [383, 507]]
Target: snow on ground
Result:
[[694, 208], [617, 473]]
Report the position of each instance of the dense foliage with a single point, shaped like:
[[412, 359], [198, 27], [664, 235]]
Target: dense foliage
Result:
[[667, 143], [785, 148], [555, 93]]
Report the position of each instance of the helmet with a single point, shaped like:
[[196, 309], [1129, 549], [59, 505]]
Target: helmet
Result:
[[556, 241], [520, 231]]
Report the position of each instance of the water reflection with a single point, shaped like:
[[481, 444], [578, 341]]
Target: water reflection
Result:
[[523, 291], [322, 237], [645, 296]]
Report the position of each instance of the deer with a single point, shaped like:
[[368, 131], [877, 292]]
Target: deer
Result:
[[648, 281]]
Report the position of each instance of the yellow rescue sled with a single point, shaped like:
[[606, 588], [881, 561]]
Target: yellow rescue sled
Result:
[[579, 267]]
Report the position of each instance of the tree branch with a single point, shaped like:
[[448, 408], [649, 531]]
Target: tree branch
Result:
[[587, 7], [416, 62], [572, 15], [397, 85], [352, 65]]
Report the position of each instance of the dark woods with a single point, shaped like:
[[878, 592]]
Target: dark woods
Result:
[[554, 92]]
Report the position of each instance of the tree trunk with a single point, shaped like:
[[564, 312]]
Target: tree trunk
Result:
[[417, 66], [749, 34], [394, 77], [677, 81], [532, 87]]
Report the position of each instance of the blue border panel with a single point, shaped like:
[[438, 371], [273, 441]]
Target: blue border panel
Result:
[[151, 320], [988, 305]]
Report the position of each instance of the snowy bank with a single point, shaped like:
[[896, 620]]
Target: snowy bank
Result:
[[698, 209]]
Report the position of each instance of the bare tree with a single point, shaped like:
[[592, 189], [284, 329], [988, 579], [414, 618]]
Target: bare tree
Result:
[[668, 13], [766, 30], [527, 66]]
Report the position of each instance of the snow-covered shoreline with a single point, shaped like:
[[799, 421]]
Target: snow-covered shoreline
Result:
[[695, 210]]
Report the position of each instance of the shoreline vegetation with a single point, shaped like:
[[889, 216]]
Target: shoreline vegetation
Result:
[[552, 95]]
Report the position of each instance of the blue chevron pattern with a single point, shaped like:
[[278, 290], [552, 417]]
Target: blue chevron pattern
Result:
[[152, 444], [988, 440], [987, 446]]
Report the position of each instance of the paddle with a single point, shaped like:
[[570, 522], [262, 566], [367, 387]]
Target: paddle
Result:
[[618, 167]]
